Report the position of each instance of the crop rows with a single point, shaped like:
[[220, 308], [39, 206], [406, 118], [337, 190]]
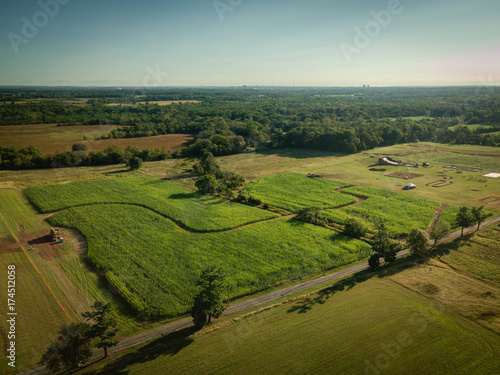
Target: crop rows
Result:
[[294, 191], [195, 211], [399, 211], [154, 263]]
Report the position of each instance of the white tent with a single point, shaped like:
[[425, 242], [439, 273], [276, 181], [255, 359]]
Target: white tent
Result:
[[410, 186]]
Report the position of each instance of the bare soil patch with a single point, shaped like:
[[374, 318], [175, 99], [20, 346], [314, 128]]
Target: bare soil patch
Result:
[[404, 175], [493, 200], [42, 243]]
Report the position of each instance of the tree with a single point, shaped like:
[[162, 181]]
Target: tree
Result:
[[381, 239], [312, 215], [355, 228], [441, 229], [464, 218], [104, 325], [208, 303], [478, 215], [417, 241], [135, 163], [207, 184], [374, 261], [391, 251], [71, 348], [207, 164]]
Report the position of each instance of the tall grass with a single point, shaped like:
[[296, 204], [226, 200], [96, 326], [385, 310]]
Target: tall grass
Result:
[[154, 264], [197, 212], [294, 191]]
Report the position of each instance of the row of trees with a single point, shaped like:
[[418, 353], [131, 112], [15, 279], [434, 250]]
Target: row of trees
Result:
[[16, 158]]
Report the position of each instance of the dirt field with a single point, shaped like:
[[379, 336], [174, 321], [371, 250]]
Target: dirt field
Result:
[[404, 175], [50, 138]]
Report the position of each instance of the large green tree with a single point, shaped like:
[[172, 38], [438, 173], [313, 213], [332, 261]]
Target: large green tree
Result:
[[417, 241], [380, 241], [441, 229], [102, 325], [70, 349], [478, 215], [208, 303], [464, 218]]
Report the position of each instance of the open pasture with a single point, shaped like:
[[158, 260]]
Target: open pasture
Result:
[[327, 333], [50, 138], [294, 191], [154, 263], [192, 209]]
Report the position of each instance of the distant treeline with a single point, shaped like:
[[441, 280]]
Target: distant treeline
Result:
[[16, 158], [228, 121]]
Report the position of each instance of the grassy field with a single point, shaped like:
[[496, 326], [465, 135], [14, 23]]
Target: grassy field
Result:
[[49, 138], [154, 263], [462, 188], [39, 313], [381, 204], [197, 212], [293, 192], [330, 332], [477, 256]]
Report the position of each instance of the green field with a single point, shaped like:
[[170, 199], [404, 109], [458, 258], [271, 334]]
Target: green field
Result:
[[479, 256], [16, 214], [293, 192], [330, 333], [197, 212], [39, 314], [154, 263], [399, 211]]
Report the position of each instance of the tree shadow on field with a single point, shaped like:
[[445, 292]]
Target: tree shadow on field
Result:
[[118, 172], [305, 305], [165, 346], [194, 194], [446, 248]]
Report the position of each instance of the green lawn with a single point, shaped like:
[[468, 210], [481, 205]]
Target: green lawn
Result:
[[154, 264], [198, 212], [294, 191], [373, 325]]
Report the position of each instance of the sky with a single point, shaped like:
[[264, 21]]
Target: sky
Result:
[[249, 42]]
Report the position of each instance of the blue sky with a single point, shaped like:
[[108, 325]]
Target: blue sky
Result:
[[252, 42]]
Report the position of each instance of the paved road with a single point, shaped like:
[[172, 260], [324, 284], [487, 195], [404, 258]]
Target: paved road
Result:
[[469, 230], [171, 327]]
